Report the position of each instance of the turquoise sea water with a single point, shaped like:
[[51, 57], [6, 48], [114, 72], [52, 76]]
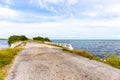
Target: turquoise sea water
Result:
[[97, 47]]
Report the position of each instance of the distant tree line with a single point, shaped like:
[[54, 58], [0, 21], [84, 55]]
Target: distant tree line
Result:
[[41, 39], [15, 38]]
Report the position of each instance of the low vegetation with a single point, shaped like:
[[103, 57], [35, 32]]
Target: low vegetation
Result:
[[15, 38], [113, 60], [42, 39], [83, 53], [6, 58]]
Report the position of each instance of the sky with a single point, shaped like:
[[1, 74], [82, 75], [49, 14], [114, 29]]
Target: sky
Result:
[[61, 19]]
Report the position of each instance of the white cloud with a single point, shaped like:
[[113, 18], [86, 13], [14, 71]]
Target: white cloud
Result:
[[56, 6], [7, 12], [70, 28], [54, 1], [90, 14], [99, 7], [72, 2], [9, 2], [31, 1], [115, 9]]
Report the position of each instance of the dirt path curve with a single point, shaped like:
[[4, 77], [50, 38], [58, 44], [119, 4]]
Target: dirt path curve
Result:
[[44, 62]]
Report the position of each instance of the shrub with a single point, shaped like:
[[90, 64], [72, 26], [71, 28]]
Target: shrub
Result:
[[16, 38], [41, 39], [47, 39], [38, 38]]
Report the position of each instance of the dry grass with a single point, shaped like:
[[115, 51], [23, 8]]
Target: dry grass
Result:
[[83, 53], [6, 58]]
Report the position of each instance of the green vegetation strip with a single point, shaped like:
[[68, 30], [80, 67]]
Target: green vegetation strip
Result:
[[6, 58], [41, 39]]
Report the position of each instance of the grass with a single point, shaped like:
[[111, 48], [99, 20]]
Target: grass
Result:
[[2, 74], [6, 58], [38, 41], [113, 60], [83, 53]]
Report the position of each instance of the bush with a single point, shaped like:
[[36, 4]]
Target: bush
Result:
[[15, 38], [47, 39], [41, 39], [38, 38]]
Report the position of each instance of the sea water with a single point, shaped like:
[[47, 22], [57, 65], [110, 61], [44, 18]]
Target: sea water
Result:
[[97, 47], [4, 44]]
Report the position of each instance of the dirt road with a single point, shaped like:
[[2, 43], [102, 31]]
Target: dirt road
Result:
[[44, 62]]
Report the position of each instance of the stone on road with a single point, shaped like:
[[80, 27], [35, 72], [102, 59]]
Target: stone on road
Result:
[[45, 62]]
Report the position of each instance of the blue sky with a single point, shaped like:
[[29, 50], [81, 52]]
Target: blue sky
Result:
[[61, 19]]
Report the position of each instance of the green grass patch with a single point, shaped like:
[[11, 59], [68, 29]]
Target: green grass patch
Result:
[[113, 60], [38, 41], [6, 58]]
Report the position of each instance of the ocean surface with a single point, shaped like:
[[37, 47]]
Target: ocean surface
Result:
[[97, 47], [4, 44]]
